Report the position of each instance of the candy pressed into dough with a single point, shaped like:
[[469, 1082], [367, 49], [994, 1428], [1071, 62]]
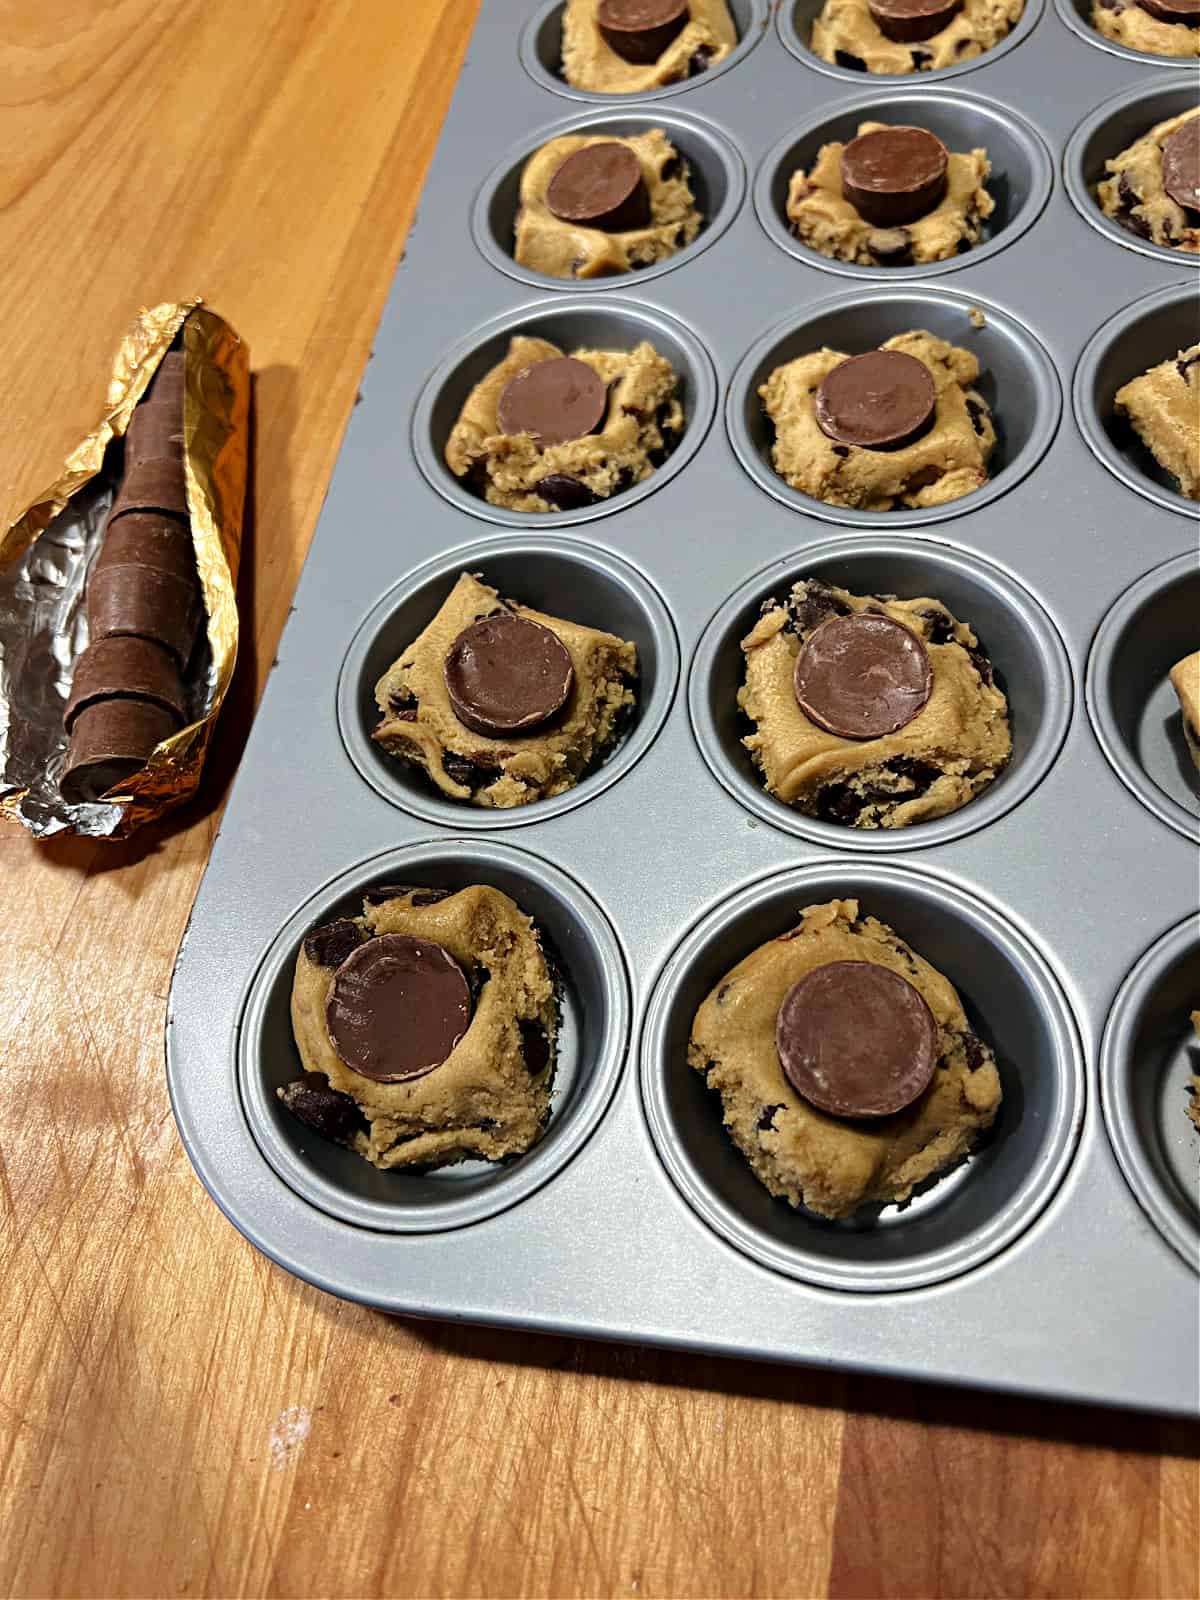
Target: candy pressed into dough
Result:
[[1163, 408], [1185, 680], [937, 763], [643, 423], [846, 34], [834, 1165], [490, 1098], [826, 221], [588, 62], [1135, 197], [418, 724], [948, 461], [1124, 22], [561, 249]]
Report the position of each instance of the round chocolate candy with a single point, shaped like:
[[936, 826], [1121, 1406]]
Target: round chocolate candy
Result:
[[862, 676], [397, 1007], [1184, 12], [1181, 165], [856, 1039], [894, 175], [640, 30], [554, 400], [600, 186], [122, 667], [506, 674], [110, 741], [882, 400], [148, 539], [909, 21], [146, 604]]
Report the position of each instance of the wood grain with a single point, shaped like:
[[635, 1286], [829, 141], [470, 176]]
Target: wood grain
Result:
[[177, 1416]]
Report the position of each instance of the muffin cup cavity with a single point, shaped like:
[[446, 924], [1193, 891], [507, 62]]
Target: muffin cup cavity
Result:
[[593, 1036], [1077, 15], [795, 18], [1149, 1053], [718, 181], [541, 52], [1134, 710], [1020, 181], [1017, 379], [1023, 645], [1111, 128], [1134, 339], [557, 576], [1012, 999], [581, 321]]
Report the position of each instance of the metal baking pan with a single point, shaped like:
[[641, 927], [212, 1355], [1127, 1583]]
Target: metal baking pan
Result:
[[1063, 904]]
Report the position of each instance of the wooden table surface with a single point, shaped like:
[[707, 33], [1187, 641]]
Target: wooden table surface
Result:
[[178, 1416]]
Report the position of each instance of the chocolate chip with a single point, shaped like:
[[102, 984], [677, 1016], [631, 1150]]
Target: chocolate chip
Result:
[[403, 705], [326, 1111], [722, 993], [487, 1125], [698, 61], [1185, 366], [535, 1045], [837, 802], [891, 246], [766, 1120], [670, 169], [378, 894], [941, 628], [976, 410], [919, 773], [565, 492], [852, 63], [841, 449], [815, 605], [980, 662], [974, 1052], [920, 58], [332, 942]]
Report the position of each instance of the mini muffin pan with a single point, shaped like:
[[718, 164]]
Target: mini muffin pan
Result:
[[1062, 902]]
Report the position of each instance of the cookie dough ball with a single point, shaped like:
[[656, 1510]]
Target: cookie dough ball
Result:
[[1185, 680], [1156, 27], [629, 46], [1193, 1106], [947, 460], [639, 422], [835, 1164], [1162, 407], [1154, 188], [422, 720], [578, 219], [910, 221], [953, 745], [426, 1028], [850, 33]]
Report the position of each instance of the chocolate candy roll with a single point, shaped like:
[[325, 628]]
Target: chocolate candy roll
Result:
[[154, 485], [155, 430], [148, 539], [110, 740], [125, 668], [144, 603]]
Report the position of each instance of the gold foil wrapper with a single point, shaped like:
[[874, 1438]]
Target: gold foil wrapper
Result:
[[46, 553]]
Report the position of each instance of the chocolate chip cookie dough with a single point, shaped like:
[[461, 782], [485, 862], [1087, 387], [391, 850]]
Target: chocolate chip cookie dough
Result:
[[629, 46], [1193, 1105], [895, 727], [937, 432], [1162, 406], [537, 433], [861, 1041], [1154, 190], [594, 207], [426, 1028], [1155, 27], [469, 701], [1185, 680], [892, 196], [899, 36]]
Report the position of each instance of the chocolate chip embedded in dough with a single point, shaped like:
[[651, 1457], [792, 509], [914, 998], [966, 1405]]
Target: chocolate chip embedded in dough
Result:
[[862, 676], [507, 674], [1181, 165], [882, 400], [565, 492], [332, 942], [397, 1007], [124, 668], [600, 186], [908, 21], [640, 30], [553, 400], [856, 1039], [894, 175], [325, 1110]]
